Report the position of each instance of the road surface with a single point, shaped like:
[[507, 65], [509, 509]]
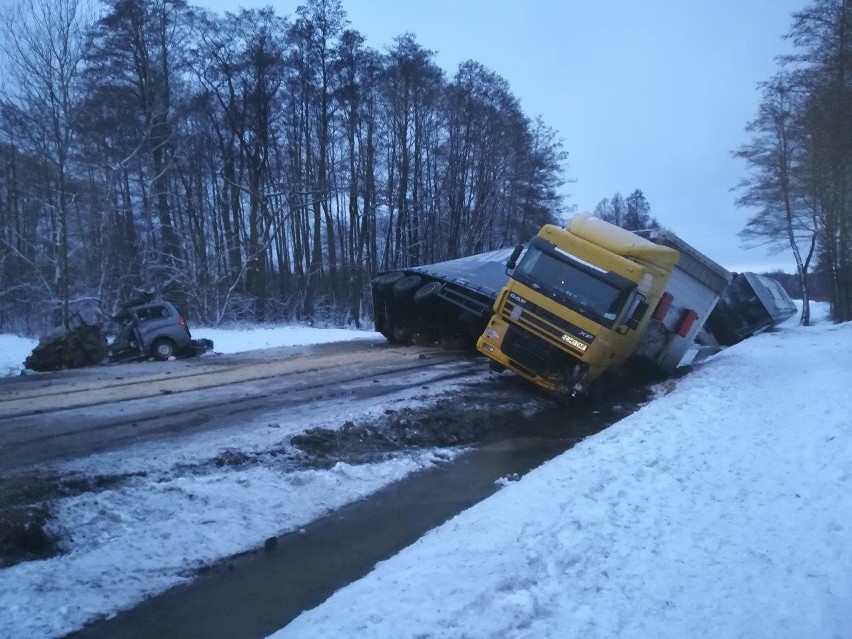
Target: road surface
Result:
[[56, 417]]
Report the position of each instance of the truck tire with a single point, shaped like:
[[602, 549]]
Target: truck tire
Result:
[[426, 293], [405, 287], [386, 280]]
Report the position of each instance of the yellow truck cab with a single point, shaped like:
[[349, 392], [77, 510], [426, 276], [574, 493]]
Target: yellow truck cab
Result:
[[579, 301]]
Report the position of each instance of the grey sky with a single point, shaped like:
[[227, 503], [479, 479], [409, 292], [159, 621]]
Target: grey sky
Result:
[[650, 94]]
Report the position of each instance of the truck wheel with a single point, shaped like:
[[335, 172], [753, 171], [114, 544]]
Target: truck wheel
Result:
[[406, 286], [163, 348], [426, 293], [386, 280]]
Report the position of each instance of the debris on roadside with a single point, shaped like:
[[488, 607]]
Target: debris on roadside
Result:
[[83, 344]]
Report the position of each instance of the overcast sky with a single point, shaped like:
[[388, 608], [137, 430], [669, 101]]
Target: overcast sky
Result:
[[650, 94]]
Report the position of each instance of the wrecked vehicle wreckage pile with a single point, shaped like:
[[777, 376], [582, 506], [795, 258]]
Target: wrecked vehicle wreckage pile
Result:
[[580, 304], [83, 344], [149, 328]]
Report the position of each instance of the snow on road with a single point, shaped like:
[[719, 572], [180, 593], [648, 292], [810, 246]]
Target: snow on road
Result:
[[249, 338], [150, 532], [722, 509]]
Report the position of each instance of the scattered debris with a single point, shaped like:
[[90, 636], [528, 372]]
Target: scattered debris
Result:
[[83, 344]]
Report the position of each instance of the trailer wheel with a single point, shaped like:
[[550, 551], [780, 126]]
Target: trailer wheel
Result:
[[406, 286], [427, 292], [388, 279]]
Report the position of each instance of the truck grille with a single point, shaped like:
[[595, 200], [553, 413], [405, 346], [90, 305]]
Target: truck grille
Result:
[[533, 317], [532, 354]]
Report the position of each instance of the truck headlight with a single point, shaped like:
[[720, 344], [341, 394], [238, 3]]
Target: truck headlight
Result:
[[490, 332]]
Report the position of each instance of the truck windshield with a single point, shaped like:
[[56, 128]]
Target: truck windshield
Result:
[[572, 286]]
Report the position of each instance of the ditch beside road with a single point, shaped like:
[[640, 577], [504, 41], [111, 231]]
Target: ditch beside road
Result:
[[255, 594]]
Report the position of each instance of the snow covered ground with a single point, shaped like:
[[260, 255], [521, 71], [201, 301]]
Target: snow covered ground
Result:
[[250, 338], [722, 509], [147, 535], [14, 349], [149, 532]]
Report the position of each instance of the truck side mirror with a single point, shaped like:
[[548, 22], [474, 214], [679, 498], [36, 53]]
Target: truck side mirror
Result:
[[637, 315], [513, 259]]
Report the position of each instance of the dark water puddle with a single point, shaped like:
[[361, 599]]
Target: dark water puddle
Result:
[[257, 593]]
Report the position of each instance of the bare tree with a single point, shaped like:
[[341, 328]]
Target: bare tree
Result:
[[800, 154], [137, 47], [776, 157], [261, 166], [45, 43]]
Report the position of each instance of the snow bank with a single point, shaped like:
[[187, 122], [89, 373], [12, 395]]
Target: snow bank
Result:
[[722, 509], [237, 340], [13, 351]]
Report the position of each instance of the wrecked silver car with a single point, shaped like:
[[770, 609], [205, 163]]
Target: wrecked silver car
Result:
[[146, 328]]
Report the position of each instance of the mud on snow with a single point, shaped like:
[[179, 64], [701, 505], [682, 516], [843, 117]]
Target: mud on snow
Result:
[[472, 415]]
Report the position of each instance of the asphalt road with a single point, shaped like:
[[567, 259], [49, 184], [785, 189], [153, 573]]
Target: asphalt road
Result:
[[53, 417]]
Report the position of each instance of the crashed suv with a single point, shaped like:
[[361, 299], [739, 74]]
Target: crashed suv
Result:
[[154, 329], [147, 327]]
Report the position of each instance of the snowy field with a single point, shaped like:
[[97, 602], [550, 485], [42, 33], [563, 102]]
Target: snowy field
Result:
[[722, 509], [15, 349]]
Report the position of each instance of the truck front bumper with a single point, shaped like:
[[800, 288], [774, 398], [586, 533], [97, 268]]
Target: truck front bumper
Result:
[[532, 357]]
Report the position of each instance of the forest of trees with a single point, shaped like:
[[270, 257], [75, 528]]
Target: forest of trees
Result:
[[632, 212], [800, 153], [250, 166]]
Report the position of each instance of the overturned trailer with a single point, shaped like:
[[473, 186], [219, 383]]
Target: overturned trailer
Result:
[[578, 302], [444, 302], [751, 304]]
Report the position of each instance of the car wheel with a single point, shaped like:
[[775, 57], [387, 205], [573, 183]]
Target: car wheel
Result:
[[163, 348]]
